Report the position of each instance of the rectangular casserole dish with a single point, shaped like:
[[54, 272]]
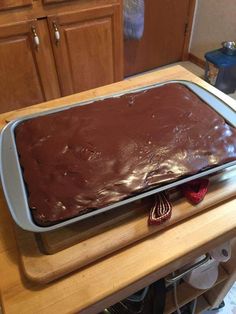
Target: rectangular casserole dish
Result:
[[12, 177]]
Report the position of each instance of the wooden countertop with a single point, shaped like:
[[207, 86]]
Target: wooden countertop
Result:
[[109, 280]]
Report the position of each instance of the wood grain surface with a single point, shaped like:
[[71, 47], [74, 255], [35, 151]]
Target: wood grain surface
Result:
[[10, 4], [86, 242], [88, 53]]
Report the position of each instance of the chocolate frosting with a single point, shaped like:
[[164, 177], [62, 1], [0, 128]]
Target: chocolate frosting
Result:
[[90, 156]]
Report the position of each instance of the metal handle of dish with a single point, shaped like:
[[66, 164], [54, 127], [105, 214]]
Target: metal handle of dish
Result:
[[56, 33], [173, 279], [35, 37]]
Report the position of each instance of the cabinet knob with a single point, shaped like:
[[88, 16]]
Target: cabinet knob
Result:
[[35, 37], [56, 33]]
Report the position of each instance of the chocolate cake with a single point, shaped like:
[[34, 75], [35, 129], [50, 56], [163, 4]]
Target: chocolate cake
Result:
[[87, 157]]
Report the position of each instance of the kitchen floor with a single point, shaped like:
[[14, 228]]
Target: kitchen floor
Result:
[[230, 303]]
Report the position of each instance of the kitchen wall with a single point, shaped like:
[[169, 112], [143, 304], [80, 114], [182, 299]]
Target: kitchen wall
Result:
[[215, 21]]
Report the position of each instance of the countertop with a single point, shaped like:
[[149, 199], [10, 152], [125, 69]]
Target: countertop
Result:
[[105, 282]]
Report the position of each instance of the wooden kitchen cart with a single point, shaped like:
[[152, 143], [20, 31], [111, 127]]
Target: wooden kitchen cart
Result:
[[96, 286]]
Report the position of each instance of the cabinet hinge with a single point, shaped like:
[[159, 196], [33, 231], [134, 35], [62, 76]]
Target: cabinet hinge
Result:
[[185, 28]]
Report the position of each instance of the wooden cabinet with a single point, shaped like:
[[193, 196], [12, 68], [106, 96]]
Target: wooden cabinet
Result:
[[23, 73], [81, 45], [10, 4], [86, 48], [59, 55], [54, 1]]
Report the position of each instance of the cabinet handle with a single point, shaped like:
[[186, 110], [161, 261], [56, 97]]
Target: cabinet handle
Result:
[[56, 33], [35, 36]]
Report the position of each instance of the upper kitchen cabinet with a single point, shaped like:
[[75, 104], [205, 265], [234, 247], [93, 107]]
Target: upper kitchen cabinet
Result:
[[166, 32], [11, 4], [87, 47], [26, 72]]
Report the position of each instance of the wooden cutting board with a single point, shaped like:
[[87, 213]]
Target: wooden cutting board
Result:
[[80, 244]]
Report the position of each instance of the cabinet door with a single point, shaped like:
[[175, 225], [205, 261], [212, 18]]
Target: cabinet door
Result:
[[24, 66], [87, 48], [163, 39]]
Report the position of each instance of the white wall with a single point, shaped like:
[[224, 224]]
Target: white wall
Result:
[[215, 21]]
